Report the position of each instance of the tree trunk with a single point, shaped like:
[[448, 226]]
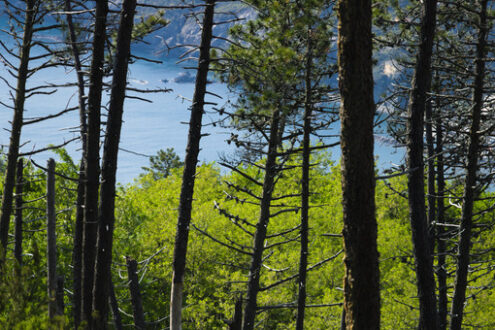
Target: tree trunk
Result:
[[430, 217], [237, 318], [342, 319], [51, 252], [77, 251], [18, 213], [78, 227], [303, 257], [420, 86], [188, 176], [361, 282], [15, 134], [470, 181], [137, 305], [262, 225], [92, 157], [59, 296], [117, 319], [441, 246], [106, 212]]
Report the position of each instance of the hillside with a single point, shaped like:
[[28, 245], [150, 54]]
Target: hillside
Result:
[[183, 28]]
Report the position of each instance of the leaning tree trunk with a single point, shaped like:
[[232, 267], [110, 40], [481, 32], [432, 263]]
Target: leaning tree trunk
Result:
[[361, 282], [92, 157], [262, 225], [15, 133], [78, 227], [188, 176], [303, 257], [470, 181], [421, 84], [106, 212]]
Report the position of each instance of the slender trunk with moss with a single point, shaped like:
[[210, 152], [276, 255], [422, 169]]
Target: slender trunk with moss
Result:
[[188, 176]]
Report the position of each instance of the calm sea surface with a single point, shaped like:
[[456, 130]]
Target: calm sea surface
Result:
[[147, 127]]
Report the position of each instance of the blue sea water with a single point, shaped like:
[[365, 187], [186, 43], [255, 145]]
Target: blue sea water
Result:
[[147, 127]]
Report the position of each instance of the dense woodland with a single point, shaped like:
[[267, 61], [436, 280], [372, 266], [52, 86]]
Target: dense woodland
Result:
[[278, 234]]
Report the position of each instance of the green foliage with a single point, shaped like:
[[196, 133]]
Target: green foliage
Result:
[[146, 221], [216, 275], [163, 163], [23, 291], [3, 160], [149, 24], [23, 297], [266, 62]]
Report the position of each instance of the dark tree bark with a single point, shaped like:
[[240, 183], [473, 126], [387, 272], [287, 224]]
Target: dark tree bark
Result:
[[430, 147], [361, 283], [59, 296], [420, 86], [303, 257], [106, 212], [117, 319], [137, 304], [441, 245], [92, 157], [51, 253], [262, 225], [342, 319], [431, 193], [237, 318], [188, 176], [78, 227], [470, 191], [15, 135], [77, 251], [18, 212]]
